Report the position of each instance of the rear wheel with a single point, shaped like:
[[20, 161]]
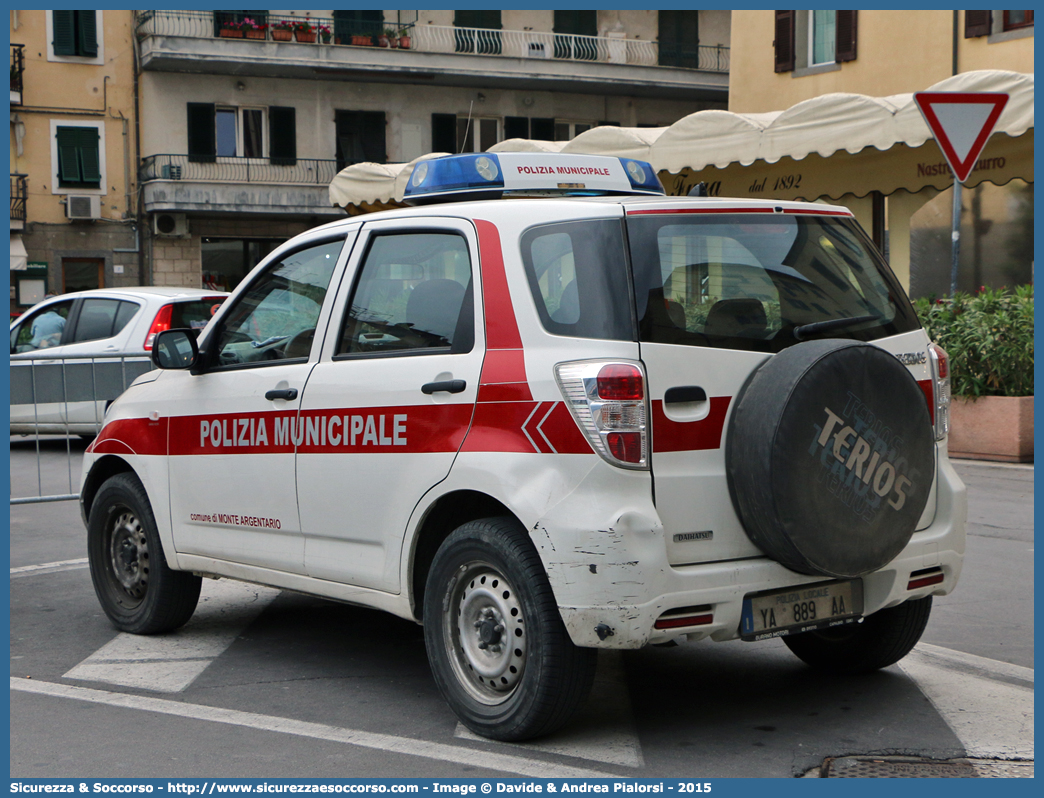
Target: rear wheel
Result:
[[136, 588], [498, 649], [882, 639]]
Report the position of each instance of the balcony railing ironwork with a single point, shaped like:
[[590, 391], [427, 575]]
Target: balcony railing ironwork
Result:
[[17, 68], [19, 194], [437, 39], [234, 169]]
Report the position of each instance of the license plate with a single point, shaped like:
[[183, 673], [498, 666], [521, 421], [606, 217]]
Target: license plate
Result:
[[801, 609]]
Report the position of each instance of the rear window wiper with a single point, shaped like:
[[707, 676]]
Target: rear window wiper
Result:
[[805, 330]]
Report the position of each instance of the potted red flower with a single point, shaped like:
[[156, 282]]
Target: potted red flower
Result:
[[282, 31], [304, 32], [325, 34], [254, 30], [231, 30]]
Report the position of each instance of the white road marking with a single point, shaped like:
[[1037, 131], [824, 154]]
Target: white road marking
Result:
[[987, 703], [485, 760], [602, 731], [170, 663], [48, 567]]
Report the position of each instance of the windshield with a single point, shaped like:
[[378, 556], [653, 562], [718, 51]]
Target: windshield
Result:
[[762, 284]]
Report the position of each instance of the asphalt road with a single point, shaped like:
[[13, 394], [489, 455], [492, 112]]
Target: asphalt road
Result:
[[268, 684]]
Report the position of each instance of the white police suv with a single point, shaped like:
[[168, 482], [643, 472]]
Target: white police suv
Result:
[[546, 425]]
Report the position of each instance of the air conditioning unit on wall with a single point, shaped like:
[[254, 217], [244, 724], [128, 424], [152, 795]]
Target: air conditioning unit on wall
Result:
[[82, 207], [174, 225]]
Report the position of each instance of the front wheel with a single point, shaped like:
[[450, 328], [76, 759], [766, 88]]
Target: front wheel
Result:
[[498, 649], [882, 639], [135, 586]]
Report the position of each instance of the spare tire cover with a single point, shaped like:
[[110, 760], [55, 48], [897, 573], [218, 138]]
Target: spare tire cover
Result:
[[830, 457]]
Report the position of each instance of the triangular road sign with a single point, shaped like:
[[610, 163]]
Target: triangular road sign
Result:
[[961, 123]]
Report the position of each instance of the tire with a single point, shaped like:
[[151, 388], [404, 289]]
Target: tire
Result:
[[830, 457], [882, 639], [487, 584], [136, 588]]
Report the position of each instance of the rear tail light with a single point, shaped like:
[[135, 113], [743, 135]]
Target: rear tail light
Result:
[[925, 577], [608, 402], [159, 324], [685, 616], [941, 380]]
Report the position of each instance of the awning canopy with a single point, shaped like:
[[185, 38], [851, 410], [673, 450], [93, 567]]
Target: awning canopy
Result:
[[19, 257], [828, 146]]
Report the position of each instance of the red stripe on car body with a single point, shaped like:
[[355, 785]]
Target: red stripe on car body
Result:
[[688, 436]]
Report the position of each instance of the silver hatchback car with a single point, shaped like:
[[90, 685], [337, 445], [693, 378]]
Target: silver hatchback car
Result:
[[73, 354]]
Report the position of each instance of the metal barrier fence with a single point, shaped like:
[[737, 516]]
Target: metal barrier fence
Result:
[[66, 395]]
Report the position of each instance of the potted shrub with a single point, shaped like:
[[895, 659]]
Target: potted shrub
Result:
[[282, 31], [304, 32], [231, 30], [325, 34], [404, 39], [387, 38], [254, 30], [989, 338]]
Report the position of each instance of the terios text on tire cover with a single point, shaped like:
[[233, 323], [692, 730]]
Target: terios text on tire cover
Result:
[[546, 410]]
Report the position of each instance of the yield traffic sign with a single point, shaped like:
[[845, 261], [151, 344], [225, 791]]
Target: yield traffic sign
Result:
[[961, 123]]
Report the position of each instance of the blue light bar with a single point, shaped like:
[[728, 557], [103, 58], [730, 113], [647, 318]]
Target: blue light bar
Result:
[[490, 176]]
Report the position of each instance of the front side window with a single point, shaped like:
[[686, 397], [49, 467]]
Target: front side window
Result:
[[756, 284], [413, 295], [41, 329], [577, 273], [274, 320], [1017, 19]]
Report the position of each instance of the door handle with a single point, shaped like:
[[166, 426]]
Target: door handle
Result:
[[684, 393], [449, 386], [282, 393]]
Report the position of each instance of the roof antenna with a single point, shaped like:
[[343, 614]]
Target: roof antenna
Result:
[[467, 127]]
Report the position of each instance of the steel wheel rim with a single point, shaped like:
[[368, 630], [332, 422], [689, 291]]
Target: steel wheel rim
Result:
[[128, 558], [485, 640]]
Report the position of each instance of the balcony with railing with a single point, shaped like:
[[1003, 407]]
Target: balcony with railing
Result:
[[17, 68], [19, 194], [232, 43], [214, 183]]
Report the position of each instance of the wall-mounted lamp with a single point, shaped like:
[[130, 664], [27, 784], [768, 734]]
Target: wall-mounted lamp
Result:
[[240, 86], [481, 97]]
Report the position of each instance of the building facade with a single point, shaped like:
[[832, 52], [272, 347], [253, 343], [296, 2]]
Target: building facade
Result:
[[246, 116], [782, 58], [72, 153]]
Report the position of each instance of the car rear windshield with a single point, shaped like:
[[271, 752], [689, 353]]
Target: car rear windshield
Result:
[[194, 314], [762, 284]]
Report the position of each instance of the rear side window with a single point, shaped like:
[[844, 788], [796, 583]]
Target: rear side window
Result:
[[195, 314], [577, 272], [96, 319], [413, 295], [756, 283]]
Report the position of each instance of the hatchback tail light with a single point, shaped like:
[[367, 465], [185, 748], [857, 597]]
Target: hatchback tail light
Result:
[[608, 402], [159, 324], [941, 384]]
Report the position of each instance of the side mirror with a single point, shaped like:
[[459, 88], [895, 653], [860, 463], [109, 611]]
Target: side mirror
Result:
[[175, 349]]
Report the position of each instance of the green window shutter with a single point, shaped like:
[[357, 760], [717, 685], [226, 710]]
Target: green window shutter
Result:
[[516, 127], [64, 25], [90, 161], [282, 136], [202, 144], [68, 155], [542, 129], [473, 18], [87, 25], [579, 22], [444, 133]]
